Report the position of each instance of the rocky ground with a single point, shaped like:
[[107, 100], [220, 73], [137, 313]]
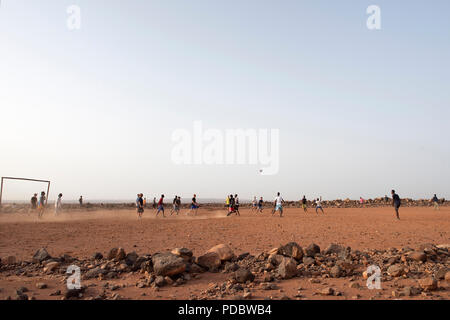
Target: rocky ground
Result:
[[319, 256]]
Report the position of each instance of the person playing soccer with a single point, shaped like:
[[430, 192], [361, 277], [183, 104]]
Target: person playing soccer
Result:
[[194, 205], [319, 205], [139, 205], [236, 205], [231, 207], [174, 205], [304, 206], [278, 205], [254, 204], [396, 202], [58, 204], [435, 201], [260, 204], [41, 204], [161, 206], [34, 201]]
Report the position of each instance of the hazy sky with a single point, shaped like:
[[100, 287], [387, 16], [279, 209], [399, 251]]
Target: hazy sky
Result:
[[93, 110]]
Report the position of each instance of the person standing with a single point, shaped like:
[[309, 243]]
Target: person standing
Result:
[[194, 205], [41, 204], [140, 205], [81, 201], [435, 201], [161, 206], [154, 203], [396, 202], [254, 204], [236, 205], [278, 205], [319, 205], [34, 201], [260, 204], [58, 204], [304, 206]]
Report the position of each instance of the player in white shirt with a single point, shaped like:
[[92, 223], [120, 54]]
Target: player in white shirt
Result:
[[278, 205], [58, 204], [319, 204]]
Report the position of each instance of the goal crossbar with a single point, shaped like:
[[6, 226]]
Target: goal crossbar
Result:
[[24, 179]]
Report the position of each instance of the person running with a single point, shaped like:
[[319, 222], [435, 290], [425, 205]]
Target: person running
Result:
[[41, 204], [254, 204], [81, 201], [319, 205], [34, 201], [58, 204], [278, 205], [304, 206], [231, 207], [139, 205], [236, 205], [161, 206], [260, 204], [435, 201], [396, 202], [194, 205]]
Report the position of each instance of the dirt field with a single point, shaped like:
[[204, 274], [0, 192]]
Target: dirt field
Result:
[[81, 234]]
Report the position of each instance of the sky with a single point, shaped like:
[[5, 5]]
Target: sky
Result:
[[359, 111]]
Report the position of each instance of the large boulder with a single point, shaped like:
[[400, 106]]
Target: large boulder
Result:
[[334, 248], [41, 255], [243, 275], [275, 259], [418, 256], [396, 270], [131, 258], [116, 254], [209, 260], [287, 268], [291, 250], [168, 264], [312, 250], [428, 284], [184, 253], [224, 252]]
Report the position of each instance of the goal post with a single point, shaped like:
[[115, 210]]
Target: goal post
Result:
[[24, 179]]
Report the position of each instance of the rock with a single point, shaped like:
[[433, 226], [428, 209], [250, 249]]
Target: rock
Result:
[[291, 250], [160, 281], [210, 261], [447, 276], [41, 255], [308, 261], [335, 271], [10, 260], [418, 256], [51, 266], [97, 256], [242, 256], [243, 275], [168, 264], [312, 250], [116, 254], [334, 248], [223, 251], [287, 268], [275, 259], [22, 289], [327, 291], [195, 268], [131, 258], [94, 273], [168, 280], [20, 295], [41, 285], [354, 285], [396, 270], [184, 253], [440, 274], [231, 267], [73, 293], [428, 284]]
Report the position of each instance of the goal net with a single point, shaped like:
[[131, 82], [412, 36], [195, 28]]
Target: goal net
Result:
[[20, 190]]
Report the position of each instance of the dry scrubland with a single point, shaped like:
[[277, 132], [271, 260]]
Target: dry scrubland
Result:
[[261, 256]]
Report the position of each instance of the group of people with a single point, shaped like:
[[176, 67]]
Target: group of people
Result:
[[40, 204], [159, 206]]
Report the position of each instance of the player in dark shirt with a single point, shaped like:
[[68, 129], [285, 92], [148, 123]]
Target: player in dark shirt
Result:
[[435, 201], [396, 203], [260, 204], [34, 202], [194, 205], [305, 208]]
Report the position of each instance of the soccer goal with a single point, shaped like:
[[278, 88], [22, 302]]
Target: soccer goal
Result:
[[23, 179]]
